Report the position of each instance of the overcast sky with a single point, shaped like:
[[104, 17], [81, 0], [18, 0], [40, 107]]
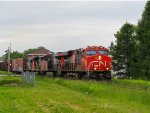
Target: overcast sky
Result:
[[61, 26]]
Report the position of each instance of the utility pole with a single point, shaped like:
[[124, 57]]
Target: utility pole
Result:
[[8, 60]]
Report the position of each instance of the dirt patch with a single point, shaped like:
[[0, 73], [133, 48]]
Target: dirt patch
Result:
[[9, 82]]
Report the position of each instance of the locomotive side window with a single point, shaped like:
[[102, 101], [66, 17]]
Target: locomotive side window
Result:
[[103, 52], [90, 52]]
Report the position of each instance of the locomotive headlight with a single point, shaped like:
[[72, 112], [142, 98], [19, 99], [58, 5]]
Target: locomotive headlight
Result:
[[107, 68], [95, 68], [99, 57]]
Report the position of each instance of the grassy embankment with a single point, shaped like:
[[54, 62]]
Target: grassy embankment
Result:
[[6, 73], [67, 96]]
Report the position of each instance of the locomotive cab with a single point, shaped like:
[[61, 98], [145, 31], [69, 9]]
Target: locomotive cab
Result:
[[96, 62]]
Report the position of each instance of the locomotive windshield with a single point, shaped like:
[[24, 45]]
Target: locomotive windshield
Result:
[[103, 52], [90, 52]]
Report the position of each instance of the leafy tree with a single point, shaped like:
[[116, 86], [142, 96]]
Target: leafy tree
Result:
[[1, 58], [13, 55], [123, 50], [111, 47], [28, 51], [143, 35], [16, 54]]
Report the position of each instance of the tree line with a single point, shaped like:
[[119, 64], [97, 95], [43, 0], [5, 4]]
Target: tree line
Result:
[[16, 54], [131, 51]]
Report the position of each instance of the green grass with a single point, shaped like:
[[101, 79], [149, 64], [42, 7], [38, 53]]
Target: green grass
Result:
[[6, 73], [55, 95]]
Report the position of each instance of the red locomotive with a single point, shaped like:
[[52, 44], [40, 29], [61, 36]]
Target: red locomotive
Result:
[[41, 64], [91, 62]]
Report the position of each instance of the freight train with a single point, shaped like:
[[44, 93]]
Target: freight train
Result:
[[90, 62]]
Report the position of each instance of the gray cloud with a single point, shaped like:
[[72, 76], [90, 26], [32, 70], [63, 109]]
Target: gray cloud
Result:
[[63, 25]]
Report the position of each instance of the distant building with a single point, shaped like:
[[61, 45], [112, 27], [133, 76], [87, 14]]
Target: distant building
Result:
[[41, 51]]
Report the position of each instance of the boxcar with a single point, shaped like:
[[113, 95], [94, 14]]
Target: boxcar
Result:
[[18, 65]]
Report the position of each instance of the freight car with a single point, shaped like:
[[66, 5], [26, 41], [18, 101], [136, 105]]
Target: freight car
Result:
[[19, 65], [4, 66]]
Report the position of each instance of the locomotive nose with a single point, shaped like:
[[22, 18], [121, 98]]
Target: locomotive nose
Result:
[[99, 63]]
